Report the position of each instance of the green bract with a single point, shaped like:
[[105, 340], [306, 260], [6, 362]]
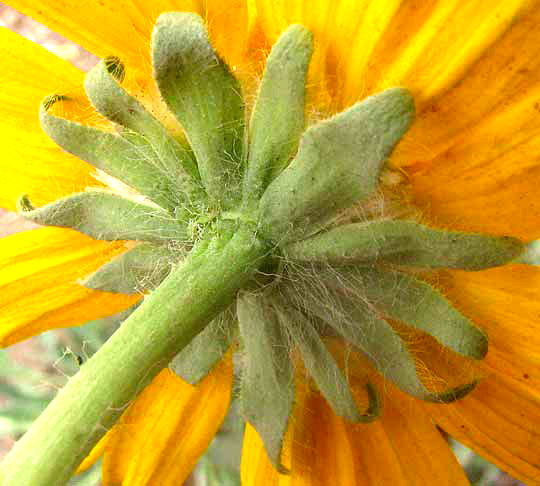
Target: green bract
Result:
[[267, 387], [137, 270], [405, 243], [196, 360], [128, 156], [322, 367], [338, 164], [277, 121], [238, 235], [107, 216], [205, 98]]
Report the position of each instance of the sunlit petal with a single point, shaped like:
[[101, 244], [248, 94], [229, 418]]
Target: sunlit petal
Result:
[[499, 420], [31, 163], [38, 289], [402, 448], [171, 423]]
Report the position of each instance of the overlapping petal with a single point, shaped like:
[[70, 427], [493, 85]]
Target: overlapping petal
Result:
[[124, 28], [38, 289], [165, 430], [504, 301], [487, 181], [121, 28], [499, 420], [427, 47], [30, 162], [474, 149], [401, 448], [506, 74]]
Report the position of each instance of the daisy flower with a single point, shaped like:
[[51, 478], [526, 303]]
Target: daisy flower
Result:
[[329, 207]]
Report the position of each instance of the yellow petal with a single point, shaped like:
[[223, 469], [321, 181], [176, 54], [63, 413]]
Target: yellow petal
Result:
[[38, 289], [124, 28], [430, 48], [367, 46], [104, 27], [228, 27], [499, 420], [488, 180], [504, 301], [164, 431], [31, 163], [499, 80], [256, 468], [298, 455], [402, 448], [95, 453]]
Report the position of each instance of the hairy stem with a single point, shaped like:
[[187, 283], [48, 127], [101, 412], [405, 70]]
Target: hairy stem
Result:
[[93, 399]]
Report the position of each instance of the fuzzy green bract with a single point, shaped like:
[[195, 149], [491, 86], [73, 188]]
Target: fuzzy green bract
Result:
[[137, 270], [107, 216], [421, 306], [267, 389], [277, 121], [206, 99], [338, 164], [196, 360], [128, 156], [275, 193], [405, 243], [322, 367], [107, 96]]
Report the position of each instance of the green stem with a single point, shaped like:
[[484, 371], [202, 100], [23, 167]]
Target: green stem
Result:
[[93, 399]]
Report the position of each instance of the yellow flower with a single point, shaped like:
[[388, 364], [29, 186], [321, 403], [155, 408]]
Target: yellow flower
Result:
[[472, 159]]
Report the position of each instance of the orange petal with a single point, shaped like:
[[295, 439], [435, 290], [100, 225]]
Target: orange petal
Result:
[[413, 445], [429, 48], [504, 302], [164, 431], [473, 151], [499, 420], [38, 289], [506, 73], [401, 448], [31, 163], [274, 16], [488, 180], [228, 27], [367, 46]]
